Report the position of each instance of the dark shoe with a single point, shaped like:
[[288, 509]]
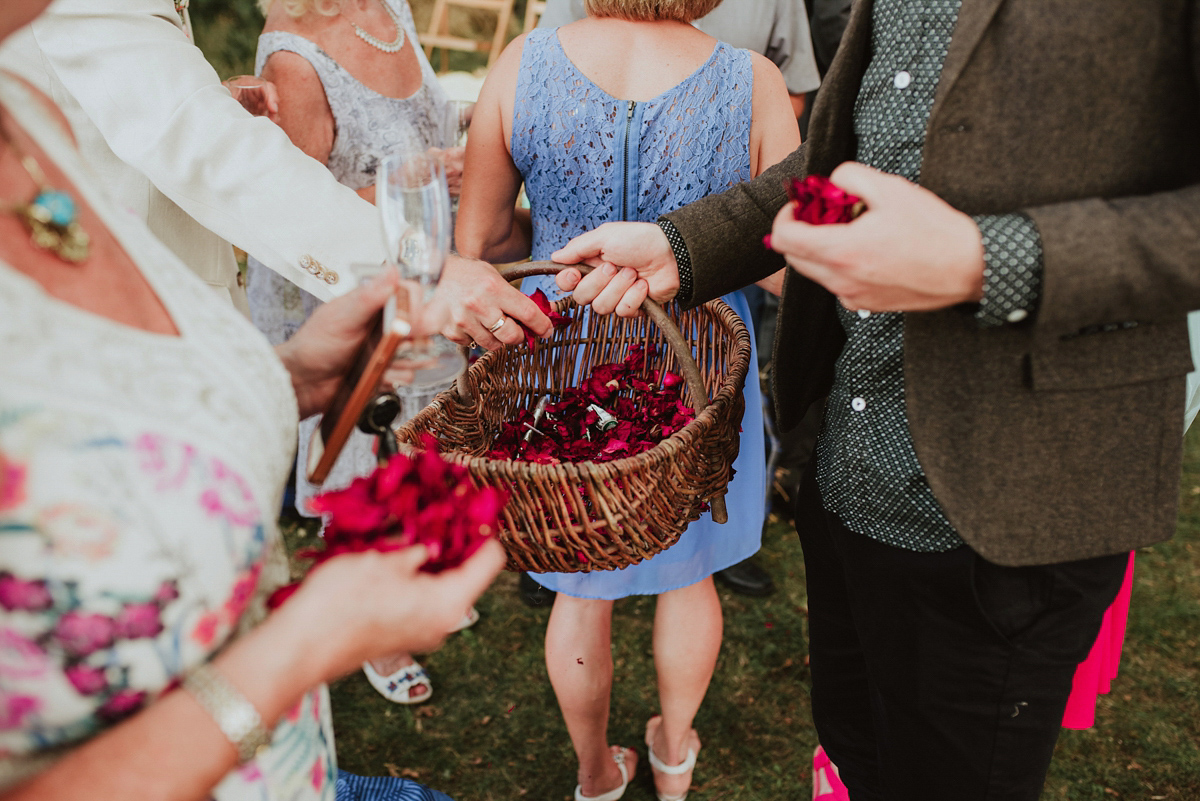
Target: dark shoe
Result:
[[532, 593], [747, 578]]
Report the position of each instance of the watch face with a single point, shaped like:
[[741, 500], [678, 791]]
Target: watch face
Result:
[[235, 716], [241, 719]]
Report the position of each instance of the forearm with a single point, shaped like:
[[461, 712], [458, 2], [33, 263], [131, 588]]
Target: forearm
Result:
[[773, 283], [1118, 260], [173, 750], [798, 103], [517, 245], [723, 233], [507, 238]]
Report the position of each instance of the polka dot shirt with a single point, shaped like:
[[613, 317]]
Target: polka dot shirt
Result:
[[866, 463]]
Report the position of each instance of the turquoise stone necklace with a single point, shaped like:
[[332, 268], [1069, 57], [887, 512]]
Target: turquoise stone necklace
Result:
[[52, 217]]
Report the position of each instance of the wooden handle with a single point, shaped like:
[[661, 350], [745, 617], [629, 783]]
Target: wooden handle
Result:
[[683, 351]]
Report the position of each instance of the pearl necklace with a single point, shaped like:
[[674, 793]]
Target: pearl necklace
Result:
[[387, 47]]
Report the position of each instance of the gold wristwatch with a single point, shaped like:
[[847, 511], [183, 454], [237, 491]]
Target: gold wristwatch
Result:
[[235, 716]]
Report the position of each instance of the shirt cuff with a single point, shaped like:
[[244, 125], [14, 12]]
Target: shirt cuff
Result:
[[1012, 268], [683, 259]]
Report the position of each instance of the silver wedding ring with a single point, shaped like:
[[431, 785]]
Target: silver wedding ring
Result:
[[497, 325]]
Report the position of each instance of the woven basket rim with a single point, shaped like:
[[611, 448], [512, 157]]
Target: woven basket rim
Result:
[[695, 428]]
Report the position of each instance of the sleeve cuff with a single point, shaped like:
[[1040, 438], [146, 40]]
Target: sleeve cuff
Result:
[[683, 259], [1012, 271]]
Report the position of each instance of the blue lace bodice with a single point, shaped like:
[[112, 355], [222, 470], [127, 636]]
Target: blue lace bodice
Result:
[[589, 158]]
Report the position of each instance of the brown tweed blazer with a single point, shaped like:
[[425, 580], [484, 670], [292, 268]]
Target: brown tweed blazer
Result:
[[1050, 440]]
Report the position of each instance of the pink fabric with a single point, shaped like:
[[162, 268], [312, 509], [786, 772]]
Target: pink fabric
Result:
[[827, 785], [1094, 675]]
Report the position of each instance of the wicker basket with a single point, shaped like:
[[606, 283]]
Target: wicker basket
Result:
[[600, 516]]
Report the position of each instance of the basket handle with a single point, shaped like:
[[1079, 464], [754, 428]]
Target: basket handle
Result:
[[683, 352]]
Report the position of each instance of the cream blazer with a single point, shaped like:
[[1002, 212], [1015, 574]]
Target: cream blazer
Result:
[[170, 143]]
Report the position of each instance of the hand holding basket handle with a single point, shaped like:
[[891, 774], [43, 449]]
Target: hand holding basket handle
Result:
[[687, 364], [581, 516]]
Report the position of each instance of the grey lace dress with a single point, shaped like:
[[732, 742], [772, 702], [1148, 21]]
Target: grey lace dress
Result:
[[367, 126]]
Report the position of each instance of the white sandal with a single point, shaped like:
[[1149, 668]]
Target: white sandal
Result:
[[395, 686], [616, 792], [686, 766]]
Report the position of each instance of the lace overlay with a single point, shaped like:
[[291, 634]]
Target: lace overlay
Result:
[[140, 479], [590, 158], [569, 141]]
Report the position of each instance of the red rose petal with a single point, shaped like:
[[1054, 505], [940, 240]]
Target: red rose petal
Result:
[[277, 598], [556, 319], [420, 500], [819, 202]]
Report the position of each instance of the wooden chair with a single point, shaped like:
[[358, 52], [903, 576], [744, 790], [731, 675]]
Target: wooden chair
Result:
[[533, 12], [439, 35]]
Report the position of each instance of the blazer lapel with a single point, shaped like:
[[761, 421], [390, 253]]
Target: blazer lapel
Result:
[[973, 19]]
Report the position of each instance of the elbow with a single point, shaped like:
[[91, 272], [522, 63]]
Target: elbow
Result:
[[492, 248]]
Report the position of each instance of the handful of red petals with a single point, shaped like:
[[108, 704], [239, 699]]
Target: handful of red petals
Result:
[[418, 500], [819, 202], [543, 303], [647, 407]]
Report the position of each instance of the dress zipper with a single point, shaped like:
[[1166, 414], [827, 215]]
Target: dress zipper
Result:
[[625, 162]]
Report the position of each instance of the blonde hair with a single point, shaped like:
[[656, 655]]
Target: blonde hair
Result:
[[298, 8], [651, 10]]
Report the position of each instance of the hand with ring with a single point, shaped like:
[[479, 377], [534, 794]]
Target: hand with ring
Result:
[[481, 304]]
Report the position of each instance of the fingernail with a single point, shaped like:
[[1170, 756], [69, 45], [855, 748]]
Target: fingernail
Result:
[[767, 242]]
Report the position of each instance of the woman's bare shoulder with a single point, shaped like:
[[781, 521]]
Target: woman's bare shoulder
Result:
[[292, 72], [510, 58], [767, 73], [501, 80]]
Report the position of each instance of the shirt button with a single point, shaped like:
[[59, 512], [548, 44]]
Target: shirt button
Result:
[[1017, 315], [863, 313], [902, 79], [858, 404]]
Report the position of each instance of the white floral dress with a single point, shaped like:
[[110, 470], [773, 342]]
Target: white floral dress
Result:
[[140, 478]]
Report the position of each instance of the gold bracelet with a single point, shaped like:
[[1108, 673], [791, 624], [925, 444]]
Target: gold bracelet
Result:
[[234, 715]]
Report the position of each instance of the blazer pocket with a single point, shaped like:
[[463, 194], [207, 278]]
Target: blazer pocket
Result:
[[1111, 357]]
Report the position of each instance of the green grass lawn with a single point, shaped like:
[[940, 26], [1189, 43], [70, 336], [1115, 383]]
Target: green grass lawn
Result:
[[492, 729]]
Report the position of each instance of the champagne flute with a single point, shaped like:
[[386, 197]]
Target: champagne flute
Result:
[[414, 212], [455, 122], [456, 119]]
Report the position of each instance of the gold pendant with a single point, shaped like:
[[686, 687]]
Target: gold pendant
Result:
[[69, 242]]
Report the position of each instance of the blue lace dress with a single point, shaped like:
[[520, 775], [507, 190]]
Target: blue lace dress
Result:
[[589, 158]]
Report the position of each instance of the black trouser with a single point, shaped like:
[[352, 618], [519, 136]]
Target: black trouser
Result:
[[941, 676]]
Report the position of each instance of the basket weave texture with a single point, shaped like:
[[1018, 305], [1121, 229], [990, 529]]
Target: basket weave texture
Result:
[[578, 517]]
